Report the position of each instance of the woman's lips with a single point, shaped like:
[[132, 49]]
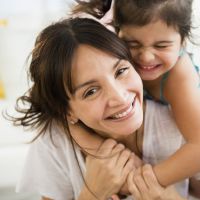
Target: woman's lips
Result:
[[124, 114]]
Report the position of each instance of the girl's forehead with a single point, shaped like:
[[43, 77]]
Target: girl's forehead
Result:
[[156, 27]]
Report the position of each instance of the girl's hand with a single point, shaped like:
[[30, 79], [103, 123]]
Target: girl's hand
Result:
[[137, 162], [107, 171], [143, 185]]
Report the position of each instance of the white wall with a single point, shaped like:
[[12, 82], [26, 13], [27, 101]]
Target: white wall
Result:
[[196, 32], [25, 18]]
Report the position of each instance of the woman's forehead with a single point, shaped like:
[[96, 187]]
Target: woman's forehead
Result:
[[89, 62]]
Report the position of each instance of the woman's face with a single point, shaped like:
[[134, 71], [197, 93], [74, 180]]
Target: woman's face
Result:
[[108, 93]]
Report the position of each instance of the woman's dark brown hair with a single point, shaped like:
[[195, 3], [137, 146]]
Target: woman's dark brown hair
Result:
[[47, 101]]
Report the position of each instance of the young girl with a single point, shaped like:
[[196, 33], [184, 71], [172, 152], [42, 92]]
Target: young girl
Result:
[[156, 32]]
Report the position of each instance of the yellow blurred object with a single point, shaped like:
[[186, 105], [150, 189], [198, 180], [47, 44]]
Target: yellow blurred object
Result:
[[3, 22], [2, 92]]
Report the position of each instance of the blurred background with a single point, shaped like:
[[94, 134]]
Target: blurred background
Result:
[[20, 22]]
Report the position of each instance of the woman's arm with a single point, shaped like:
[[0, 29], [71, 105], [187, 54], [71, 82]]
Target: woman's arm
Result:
[[182, 91]]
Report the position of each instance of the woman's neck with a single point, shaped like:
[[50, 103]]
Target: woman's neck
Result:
[[90, 142], [134, 141]]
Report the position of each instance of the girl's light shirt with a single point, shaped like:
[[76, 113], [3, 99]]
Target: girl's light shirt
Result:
[[52, 171]]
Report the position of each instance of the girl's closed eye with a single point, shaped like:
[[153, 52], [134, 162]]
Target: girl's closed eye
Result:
[[134, 45], [161, 46]]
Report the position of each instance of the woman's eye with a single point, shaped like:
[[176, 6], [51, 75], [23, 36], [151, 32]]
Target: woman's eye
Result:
[[121, 71], [90, 92]]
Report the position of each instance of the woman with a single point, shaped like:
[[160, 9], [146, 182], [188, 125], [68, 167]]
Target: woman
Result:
[[83, 73]]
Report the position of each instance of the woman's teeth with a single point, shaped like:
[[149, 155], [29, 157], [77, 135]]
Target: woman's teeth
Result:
[[123, 114]]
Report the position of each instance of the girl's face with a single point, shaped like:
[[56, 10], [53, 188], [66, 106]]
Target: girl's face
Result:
[[108, 93], [155, 48]]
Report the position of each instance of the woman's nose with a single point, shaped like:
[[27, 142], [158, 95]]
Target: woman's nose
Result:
[[117, 97]]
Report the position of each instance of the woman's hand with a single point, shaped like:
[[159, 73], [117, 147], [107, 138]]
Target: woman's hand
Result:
[[143, 185], [108, 170]]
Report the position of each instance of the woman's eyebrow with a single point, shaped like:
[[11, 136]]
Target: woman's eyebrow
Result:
[[93, 80]]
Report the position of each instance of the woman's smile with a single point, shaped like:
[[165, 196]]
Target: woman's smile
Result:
[[124, 113]]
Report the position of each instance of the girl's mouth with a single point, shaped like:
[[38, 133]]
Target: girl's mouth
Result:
[[147, 67]]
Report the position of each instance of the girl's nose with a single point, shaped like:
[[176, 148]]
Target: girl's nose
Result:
[[117, 97], [146, 56]]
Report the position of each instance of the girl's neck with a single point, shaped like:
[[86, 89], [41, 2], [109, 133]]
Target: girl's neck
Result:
[[153, 87], [152, 84]]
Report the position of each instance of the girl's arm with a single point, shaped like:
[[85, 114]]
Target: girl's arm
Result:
[[111, 162], [182, 91], [90, 142], [143, 185], [100, 163], [85, 138]]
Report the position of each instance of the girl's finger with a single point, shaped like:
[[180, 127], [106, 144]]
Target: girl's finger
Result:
[[149, 176], [128, 168], [132, 187], [106, 148], [140, 183], [115, 197], [123, 158]]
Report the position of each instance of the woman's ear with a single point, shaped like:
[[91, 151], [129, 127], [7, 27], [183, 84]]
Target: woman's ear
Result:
[[72, 118]]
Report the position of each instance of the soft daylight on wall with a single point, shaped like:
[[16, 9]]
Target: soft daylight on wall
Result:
[[20, 21]]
